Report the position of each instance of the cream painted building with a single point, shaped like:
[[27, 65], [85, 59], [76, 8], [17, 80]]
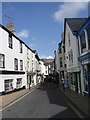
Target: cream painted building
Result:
[[71, 26]]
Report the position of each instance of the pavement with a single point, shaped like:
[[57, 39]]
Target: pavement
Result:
[[81, 103]]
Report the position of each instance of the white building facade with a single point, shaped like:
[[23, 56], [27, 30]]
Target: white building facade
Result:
[[71, 26], [12, 72], [19, 64]]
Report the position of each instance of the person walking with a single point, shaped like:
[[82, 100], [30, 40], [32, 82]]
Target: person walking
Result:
[[63, 82]]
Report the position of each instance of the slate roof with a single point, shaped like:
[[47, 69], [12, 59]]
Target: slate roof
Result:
[[75, 23]]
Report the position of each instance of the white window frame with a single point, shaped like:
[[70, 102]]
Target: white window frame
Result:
[[21, 64], [2, 61], [15, 63], [19, 83], [9, 84], [21, 51], [10, 42]]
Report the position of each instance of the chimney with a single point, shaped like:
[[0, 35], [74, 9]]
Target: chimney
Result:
[[10, 27]]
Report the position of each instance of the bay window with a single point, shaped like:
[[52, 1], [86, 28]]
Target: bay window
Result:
[[88, 35], [83, 42]]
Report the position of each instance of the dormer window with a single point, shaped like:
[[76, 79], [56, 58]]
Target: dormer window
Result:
[[10, 41]]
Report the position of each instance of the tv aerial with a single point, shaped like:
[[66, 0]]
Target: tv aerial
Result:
[[8, 19]]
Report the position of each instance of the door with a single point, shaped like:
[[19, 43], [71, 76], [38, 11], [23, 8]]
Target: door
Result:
[[76, 82]]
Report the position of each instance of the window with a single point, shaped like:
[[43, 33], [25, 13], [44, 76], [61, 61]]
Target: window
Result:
[[27, 64], [16, 64], [21, 64], [60, 49], [88, 34], [85, 69], [65, 65], [20, 47], [2, 61], [72, 79], [10, 41], [61, 65], [8, 85], [83, 42], [69, 42], [45, 67], [70, 57], [19, 83]]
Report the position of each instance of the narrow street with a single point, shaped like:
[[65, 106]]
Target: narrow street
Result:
[[44, 102]]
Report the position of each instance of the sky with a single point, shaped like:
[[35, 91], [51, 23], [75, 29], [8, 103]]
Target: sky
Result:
[[40, 24]]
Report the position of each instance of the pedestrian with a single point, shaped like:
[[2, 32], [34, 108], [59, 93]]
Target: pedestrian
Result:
[[29, 83], [63, 82], [57, 79]]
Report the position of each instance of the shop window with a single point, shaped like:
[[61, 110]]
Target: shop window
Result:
[[8, 85], [72, 79], [19, 83], [85, 68]]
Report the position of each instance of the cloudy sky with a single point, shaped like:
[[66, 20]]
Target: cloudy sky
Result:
[[40, 24]]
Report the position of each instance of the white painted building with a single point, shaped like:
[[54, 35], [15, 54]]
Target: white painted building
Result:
[[62, 59], [19, 65], [12, 70], [44, 68], [71, 26]]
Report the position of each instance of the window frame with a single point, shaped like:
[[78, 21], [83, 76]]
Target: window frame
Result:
[[3, 62], [21, 51], [61, 63], [15, 66], [81, 42], [10, 41], [88, 38], [69, 41], [21, 65], [70, 56]]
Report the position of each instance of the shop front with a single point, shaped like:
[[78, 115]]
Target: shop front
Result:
[[74, 79], [86, 76]]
